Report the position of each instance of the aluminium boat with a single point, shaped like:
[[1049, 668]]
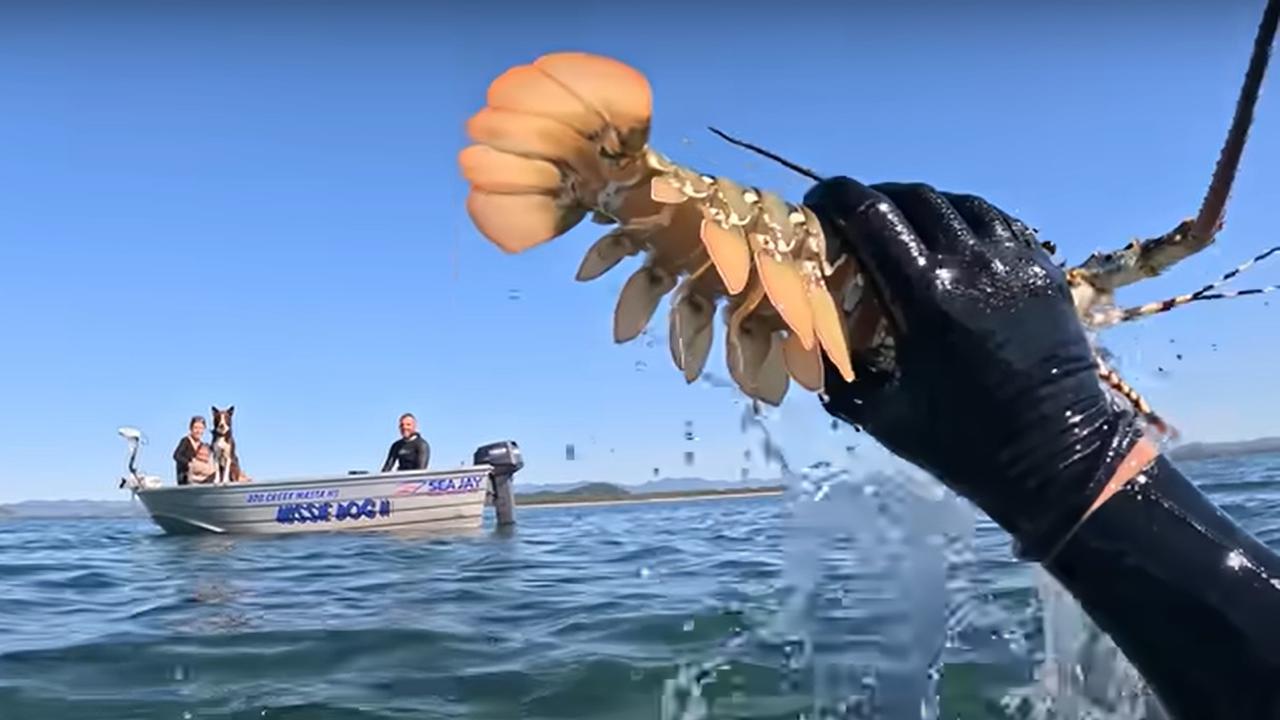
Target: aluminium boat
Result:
[[411, 499]]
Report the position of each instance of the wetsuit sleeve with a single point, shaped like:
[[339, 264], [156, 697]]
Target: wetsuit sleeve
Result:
[[182, 455], [424, 453], [1191, 598], [391, 458]]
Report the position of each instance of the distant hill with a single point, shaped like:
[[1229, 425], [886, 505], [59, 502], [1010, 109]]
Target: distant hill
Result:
[[598, 492], [1208, 450], [666, 484], [686, 484], [591, 490], [72, 509]]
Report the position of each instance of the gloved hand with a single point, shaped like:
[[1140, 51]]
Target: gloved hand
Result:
[[996, 391]]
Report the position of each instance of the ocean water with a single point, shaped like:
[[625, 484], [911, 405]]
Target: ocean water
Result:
[[868, 598]]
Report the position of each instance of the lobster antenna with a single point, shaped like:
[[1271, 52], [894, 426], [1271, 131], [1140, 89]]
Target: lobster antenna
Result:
[[1204, 293], [1227, 277], [778, 158], [1213, 209]]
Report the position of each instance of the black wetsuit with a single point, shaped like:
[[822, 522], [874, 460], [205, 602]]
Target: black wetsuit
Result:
[[1191, 598], [996, 393], [182, 456], [411, 453]]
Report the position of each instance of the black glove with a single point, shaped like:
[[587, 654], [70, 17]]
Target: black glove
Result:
[[995, 390]]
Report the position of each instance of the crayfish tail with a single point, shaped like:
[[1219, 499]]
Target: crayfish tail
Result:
[[566, 137], [517, 222], [552, 138]]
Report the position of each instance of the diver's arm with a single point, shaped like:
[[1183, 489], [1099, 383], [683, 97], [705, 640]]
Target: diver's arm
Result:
[[425, 453], [391, 457], [1191, 598], [997, 395]]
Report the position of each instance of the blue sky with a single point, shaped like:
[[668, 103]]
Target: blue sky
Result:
[[259, 204]]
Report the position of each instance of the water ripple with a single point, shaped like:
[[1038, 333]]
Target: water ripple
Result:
[[747, 608]]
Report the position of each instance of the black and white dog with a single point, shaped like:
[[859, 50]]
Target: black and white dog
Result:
[[225, 459]]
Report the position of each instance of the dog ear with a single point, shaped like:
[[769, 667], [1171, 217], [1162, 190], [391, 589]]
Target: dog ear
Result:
[[231, 410]]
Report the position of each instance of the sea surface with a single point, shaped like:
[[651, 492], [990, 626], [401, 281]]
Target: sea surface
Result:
[[844, 598]]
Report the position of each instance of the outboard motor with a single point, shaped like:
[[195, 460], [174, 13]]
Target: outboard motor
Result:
[[136, 480], [505, 459]]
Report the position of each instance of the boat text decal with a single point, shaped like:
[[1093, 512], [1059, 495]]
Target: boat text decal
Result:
[[310, 512], [441, 486], [259, 498]]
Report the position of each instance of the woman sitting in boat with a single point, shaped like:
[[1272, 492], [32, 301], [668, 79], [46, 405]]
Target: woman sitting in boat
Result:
[[187, 447]]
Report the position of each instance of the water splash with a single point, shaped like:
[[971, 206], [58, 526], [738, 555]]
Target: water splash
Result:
[[1084, 675], [894, 550], [865, 560]]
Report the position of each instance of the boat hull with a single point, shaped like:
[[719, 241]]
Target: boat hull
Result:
[[444, 500]]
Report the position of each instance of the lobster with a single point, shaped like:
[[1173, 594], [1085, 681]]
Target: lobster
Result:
[[566, 137]]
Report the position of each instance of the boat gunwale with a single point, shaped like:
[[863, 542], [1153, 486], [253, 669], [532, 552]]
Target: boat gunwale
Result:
[[346, 480]]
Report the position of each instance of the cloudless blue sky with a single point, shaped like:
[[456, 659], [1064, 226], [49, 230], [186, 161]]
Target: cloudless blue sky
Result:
[[259, 204]]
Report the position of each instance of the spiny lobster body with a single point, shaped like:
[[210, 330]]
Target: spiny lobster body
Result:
[[566, 137]]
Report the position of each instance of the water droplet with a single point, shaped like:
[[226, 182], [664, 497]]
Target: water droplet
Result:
[[688, 625], [641, 366], [655, 472], [513, 294], [1235, 560], [569, 452], [688, 458], [645, 572], [835, 425]]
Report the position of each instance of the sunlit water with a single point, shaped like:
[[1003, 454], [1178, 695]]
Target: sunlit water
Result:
[[842, 600]]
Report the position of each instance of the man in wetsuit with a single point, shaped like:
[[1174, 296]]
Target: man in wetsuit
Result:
[[996, 394], [410, 452]]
